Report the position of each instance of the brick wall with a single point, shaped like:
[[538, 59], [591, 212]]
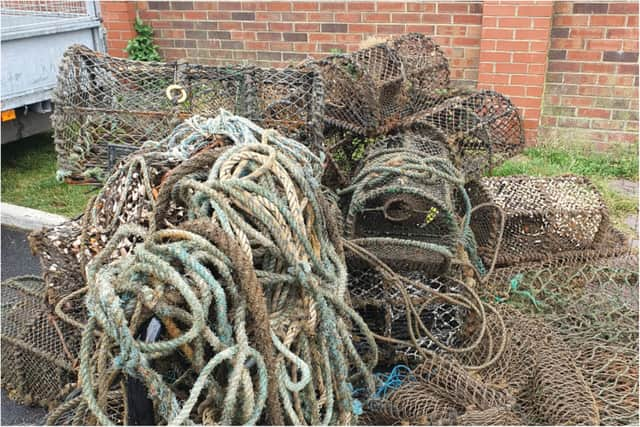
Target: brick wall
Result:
[[275, 33], [592, 79], [566, 65]]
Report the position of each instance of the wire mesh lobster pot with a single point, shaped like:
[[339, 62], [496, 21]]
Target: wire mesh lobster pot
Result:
[[484, 128], [557, 216], [103, 101], [402, 204], [38, 351], [372, 89], [383, 303]]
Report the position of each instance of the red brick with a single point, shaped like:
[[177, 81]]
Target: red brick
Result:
[[529, 57], [604, 44], [608, 20], [559, 66], [305, 5], [269, 36], [584, 55], [452, 8], [515, 22], [567, 44], [349, 38], [571, 21], [303, 27], [362, 28], [280, 6], [628, 69], [451, 30], [229, 5], [536, 69], [377, 17], [511, 68], [465, 41], [262, 45], [320, 17], [391, 7], [534, 91], [268, 16], [624, 8], [304, 47], [496, 56], [531, 34], [594, 112], [254, 26], [592, 33], [492, 9], [497, 33], [243, 35], [430, 18], [421, 7], [230, 25], [419, 28], [243, 54], [405, 17], [537, 10], [467, 19], [280, 46], [526, 102], [577, 101], [524, 79], [252, 5], [510, 46], [598, 68], [511, 90], [348, 17], [361, 6], [622, 33], [580, 79], [333, 5], [322, 37], [294, 16], [280, 26], [389, 29]]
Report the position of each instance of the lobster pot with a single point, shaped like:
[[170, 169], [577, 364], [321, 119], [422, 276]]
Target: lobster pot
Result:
[[37, 349], [372, 89], [405, 215], [288, 100], [548, 216], [426, 70], [106, 104], [383, 307], [483, 127], [59, 250]]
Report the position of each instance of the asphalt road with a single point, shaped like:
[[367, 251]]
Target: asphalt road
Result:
[[17, 260]]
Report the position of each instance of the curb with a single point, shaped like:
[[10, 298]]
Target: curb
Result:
[[27, 218]]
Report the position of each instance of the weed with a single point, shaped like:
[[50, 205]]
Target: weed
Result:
[[141, 47]]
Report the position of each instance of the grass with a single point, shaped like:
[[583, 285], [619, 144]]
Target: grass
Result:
[[562, 157], [29, 178]]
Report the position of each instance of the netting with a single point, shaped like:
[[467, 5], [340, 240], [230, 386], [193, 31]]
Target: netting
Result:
[[105, 103], [38, 351]]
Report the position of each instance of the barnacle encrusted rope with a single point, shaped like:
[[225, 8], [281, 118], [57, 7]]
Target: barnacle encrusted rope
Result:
[[257, 280]]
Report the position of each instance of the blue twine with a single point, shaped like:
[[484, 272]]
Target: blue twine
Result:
[[394, 380]]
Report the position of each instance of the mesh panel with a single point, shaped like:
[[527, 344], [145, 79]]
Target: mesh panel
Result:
[[38, 350], [102, 100]]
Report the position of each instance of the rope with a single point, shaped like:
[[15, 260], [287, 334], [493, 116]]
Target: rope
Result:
[[256, 278]]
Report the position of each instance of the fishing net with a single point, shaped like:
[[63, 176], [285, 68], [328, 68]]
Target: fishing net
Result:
[[534, 380], [372, 89], [107, 106], [37, 355], [550, 217], [248, 290]]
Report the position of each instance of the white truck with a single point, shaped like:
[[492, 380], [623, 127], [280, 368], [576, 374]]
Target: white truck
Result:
[[34, 34]]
